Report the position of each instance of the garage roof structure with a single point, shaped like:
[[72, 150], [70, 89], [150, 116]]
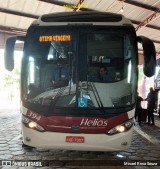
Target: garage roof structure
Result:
[[17, 15]]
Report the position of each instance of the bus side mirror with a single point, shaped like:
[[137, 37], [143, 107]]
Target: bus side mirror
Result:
[[9, 51], [149, 53]]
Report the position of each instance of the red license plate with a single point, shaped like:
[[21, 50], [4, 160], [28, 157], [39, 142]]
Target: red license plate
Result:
[[74, 139]]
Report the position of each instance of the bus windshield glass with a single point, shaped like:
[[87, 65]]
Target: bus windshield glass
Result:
[[80, 67]]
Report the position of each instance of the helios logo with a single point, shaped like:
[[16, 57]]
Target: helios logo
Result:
[[95, 122]]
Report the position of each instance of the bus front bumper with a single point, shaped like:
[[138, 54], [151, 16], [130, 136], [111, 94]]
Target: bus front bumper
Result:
[[91, 142]]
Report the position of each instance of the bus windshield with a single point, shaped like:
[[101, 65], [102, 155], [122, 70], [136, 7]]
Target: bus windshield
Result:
[[82, 67]]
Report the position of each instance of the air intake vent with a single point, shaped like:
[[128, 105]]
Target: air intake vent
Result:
[[82, 17]]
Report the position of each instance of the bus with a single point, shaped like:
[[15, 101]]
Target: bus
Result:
[[80, 112]]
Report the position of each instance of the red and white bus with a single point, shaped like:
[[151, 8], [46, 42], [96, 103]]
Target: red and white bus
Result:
[[84, 113]]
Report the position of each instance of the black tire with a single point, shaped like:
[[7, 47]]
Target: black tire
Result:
[[26, 146]]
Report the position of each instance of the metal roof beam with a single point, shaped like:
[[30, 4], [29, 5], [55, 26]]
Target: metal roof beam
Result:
[[67, 5], [141, 5], [156, 41], [158, 51], [59, 3], [3, 10], [148, 26], [126, 1], [12, 30], [148, 20], [62, 4], [36, 16], [78, 5], [147, 7]]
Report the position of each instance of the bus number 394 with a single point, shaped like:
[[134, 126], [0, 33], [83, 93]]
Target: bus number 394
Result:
[[34, 116]]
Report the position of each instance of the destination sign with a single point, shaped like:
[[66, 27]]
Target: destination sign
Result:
[[55, 38]]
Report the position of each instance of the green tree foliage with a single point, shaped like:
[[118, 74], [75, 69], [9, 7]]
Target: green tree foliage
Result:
[[140, 74], [11, 79]]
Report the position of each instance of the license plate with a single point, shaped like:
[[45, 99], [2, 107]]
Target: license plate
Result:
[[74, 139]]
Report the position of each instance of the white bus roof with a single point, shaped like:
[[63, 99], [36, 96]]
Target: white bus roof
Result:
[[82, 18]]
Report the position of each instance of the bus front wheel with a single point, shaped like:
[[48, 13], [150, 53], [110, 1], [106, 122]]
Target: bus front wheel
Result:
[[26, 146]]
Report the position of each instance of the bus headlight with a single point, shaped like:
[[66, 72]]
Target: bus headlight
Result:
[[121, 128], [31, 124]]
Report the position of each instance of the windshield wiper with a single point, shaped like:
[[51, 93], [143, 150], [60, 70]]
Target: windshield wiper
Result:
[[56, 97], [97, 97]]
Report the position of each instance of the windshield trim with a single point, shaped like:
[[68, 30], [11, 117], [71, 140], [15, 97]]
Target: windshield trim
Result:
[[75, 111], [94, 27]]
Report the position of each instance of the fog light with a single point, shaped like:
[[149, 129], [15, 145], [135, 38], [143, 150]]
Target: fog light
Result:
[[124, 143], [28, 139]]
